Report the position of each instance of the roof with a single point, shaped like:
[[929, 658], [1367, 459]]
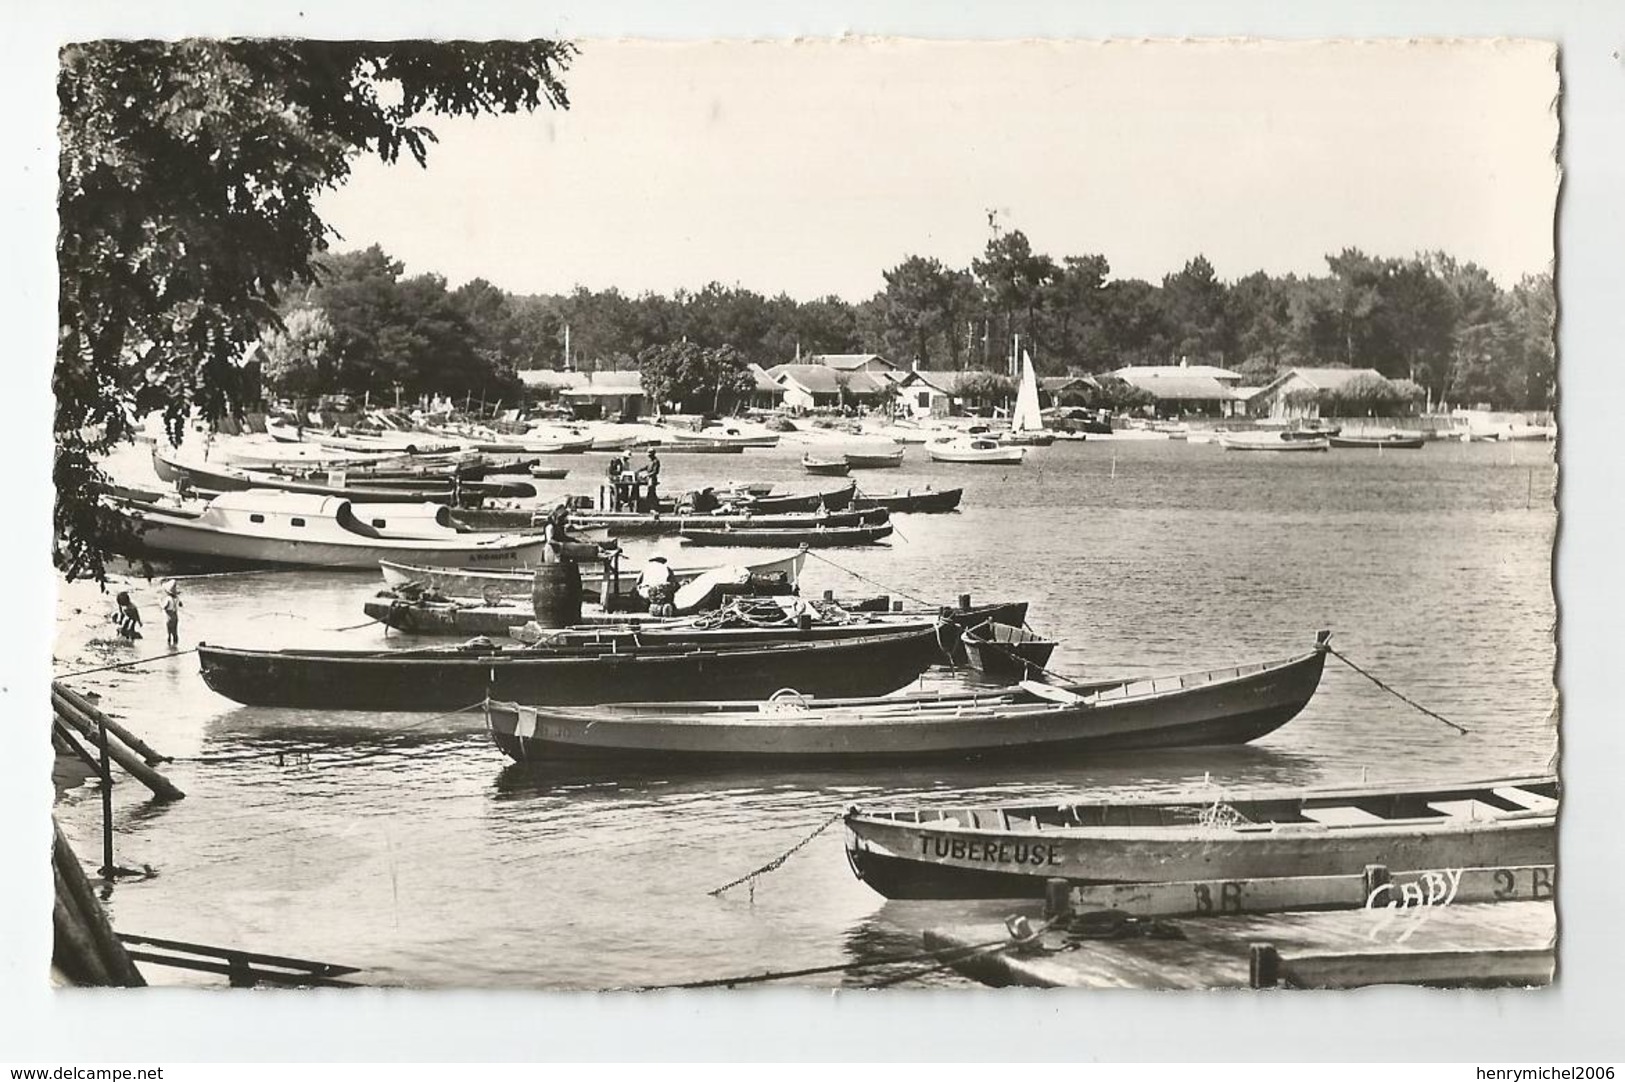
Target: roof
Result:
[[1326, 379], [765, 382], [1181, 388], [588, 384], [1057, 384], [821, 379], [946, 380], [845, 362], [1176, 371]]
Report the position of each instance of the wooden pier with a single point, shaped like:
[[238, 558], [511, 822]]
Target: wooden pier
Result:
[[1498, 928]]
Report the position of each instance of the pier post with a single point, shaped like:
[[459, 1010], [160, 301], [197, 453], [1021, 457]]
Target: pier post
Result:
[[1057, 898], [897, 606], [606, 587], [1375, 877], [829, 595], [107, 809], [1263, 965], [964, 602]]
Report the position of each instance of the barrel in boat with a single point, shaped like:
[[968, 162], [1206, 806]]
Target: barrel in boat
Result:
[[555, 593]]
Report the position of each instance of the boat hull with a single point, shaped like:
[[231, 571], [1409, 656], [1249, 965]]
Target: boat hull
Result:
[[1404, 443], [915, 731], [1011, 851], [179, 538], [621, 524], [475, 582], [818, 538], [409, 680], [1001, 456], [914, 503]]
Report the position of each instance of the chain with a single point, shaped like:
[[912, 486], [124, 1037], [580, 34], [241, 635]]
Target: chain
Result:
[[776, 862]]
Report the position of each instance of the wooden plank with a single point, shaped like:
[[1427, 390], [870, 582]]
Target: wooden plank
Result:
[[1525, 799], [1219, 897], [324, 968], [1475, 810], [1342, 816], [1492, 966]]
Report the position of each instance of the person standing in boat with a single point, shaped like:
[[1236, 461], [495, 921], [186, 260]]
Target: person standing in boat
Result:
[[617, 468], [172, 611], [651, 475], [556, 532], [655, 586], [128, 618]]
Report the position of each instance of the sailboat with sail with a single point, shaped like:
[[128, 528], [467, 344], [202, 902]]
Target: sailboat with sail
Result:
[[1027, 422]]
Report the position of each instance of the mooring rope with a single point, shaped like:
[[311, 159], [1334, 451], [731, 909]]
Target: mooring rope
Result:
[[865, 578], [776, 862], [126, 664], [939, 959], [1398, 695]]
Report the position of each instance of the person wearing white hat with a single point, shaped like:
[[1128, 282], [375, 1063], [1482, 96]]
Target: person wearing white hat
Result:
[[172, 611], [655, 586]]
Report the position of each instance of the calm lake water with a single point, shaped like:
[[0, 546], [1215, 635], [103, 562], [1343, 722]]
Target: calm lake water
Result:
[[407, 844]]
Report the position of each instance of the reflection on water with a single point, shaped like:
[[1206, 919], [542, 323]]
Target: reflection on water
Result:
[[407, 844]]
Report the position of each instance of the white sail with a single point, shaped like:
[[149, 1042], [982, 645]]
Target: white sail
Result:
[[1027, 417]]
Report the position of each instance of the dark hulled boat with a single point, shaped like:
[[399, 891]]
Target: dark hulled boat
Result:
[[766, 537], [928, 501], [445, 679]]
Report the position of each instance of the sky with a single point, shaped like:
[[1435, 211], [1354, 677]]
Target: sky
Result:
[[810, 168]]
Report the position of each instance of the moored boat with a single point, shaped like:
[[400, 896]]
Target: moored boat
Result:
[[825, 467], [925, 501], [261, 527], [1271, 440], [766, 537], [1391, 440], [1027, 722], [730, 435], [875, 460], [835, 499], [479, 582], [458, 677], [640, 524], [1008, 851], [974, 449], [1001, 651]]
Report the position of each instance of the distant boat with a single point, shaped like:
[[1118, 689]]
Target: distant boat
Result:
[[1530, 432], [926, 501], [1270, 441], [726, 434], [640, 524], [974, 449], [1008, 851], [825, 467], [1027, 421], [264, 526], [835, 499], [550, 473], [875, 460], [765, 537], [478, 582], [1393, 441], [702, 447]]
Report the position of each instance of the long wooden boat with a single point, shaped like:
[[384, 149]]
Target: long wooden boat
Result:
[[441, 487], [448, 678], [834, 499], [1008, 851], [697, 447], [1028, 722], [1392, 441], [928, 501], [877, 460], [974, 450], [818, 537], [635, 523], [1271, 441], [825, 467], [479, 582], [262, 527]]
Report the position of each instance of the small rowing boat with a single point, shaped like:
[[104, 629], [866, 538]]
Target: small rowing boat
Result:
[[825, 467], [875, 460], [641, 524], [819, 537], [1008, 851], [927, 501], [479, 582], [1387, 439]]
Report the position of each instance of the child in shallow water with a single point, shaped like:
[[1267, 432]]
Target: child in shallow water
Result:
[[128, 618], [172, 611]]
